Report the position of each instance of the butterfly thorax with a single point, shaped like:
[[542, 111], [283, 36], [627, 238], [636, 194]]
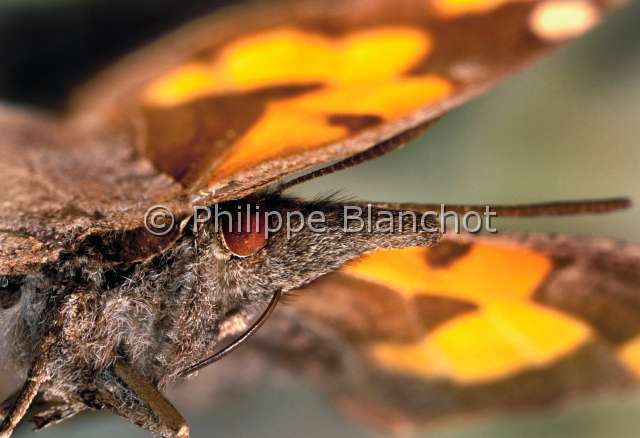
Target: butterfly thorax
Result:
[[162, 314]]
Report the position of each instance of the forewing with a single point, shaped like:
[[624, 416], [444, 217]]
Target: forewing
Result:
[[256, 93], [61, 190], [408, 336]]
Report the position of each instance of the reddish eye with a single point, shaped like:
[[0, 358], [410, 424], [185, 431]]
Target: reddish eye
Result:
[[243, 227]]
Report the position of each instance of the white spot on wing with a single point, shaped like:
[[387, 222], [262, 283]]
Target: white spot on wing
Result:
[[468, 72], [557, 20]]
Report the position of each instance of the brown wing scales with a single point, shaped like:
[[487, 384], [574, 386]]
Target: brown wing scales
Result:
[[59, 190]]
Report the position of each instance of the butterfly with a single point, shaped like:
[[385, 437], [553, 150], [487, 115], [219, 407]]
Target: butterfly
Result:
[[115, 283]]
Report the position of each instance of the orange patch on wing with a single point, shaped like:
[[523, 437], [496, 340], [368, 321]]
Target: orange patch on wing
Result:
[[507, 334], [362, 73], [497, 341], [629, 354], [295, 125], [485, 273], [457, 8], [286, 56]]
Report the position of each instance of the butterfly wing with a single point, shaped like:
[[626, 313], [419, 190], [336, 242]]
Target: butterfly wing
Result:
[[493, 324], [60, 190], [247, 96]]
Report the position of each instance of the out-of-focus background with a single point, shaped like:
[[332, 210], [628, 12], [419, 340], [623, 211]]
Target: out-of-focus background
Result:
[[567, 128]]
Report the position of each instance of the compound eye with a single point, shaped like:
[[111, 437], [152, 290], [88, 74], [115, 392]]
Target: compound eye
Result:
[[243, 227]]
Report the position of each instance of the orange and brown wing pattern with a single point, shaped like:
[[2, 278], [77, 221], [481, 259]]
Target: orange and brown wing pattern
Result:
[[466, 327], [248, 96]]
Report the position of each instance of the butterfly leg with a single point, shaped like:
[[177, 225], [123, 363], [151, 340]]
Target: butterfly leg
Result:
[[43, 412], [128, 393], [38, 374]]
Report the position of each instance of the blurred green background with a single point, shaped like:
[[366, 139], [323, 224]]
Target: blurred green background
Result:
[[567, 128]]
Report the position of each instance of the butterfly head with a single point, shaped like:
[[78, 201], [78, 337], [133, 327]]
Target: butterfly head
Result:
[[280, 243]]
